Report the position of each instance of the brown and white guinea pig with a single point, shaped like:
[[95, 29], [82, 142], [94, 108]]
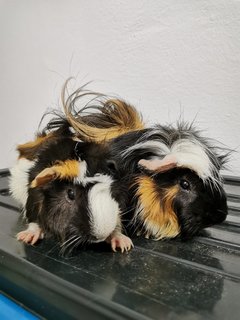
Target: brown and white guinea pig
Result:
[[174, 178], [67, 190]]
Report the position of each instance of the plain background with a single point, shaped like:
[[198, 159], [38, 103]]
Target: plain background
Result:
[[168, 58]]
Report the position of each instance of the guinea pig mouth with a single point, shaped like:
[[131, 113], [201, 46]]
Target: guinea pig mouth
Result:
[[94, 239], [191, 228], [217, 218]]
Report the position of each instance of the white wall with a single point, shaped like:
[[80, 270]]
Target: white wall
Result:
[[166, 57]]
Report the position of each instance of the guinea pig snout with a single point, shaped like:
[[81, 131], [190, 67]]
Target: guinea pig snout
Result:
[[103, 211], [215, 212], [216, 217]]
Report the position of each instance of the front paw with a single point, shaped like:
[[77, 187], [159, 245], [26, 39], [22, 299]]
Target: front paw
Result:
[[31, 235], [120, 241]]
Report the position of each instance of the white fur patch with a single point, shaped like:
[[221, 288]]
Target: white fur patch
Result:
[[192, 155], [72, 130], [103, 209], [82, 172], [155, 146], [189, 153], [99, 178], [34, 228], [18, 181]]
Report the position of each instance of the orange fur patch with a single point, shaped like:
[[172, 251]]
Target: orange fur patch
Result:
[[155, 210], [115, 117], [91, 133], [125, 115], [28, 150], [68, 170]]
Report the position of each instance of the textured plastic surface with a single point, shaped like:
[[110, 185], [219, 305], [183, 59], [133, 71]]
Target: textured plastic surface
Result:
[[199, 279]]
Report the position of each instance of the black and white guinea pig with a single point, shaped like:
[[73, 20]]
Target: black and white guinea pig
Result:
[[174, 178], [67, 189]]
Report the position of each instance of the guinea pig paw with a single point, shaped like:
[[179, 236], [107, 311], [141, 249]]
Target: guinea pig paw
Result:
[[31, 235], [121, 242]]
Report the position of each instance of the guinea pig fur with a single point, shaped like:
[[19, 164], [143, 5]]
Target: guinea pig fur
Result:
[[65, 190], [172, 173], [169, 178], [174, 179]]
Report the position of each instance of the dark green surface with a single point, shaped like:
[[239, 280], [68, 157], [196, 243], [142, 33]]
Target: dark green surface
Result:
[[199, 279]]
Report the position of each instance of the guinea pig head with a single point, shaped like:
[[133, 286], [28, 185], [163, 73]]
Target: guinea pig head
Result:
[[197, 204], [174, 200], [72, 206]]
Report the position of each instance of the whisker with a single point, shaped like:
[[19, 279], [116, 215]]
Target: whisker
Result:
[[125, 212], [65, 242], [69, 243], [74, 244]]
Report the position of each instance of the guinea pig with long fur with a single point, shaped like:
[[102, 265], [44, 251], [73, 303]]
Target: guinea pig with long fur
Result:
[[175, 182], [169, 177], [173, 173], [69, 190]]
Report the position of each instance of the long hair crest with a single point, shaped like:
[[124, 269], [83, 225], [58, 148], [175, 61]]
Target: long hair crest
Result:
[[99, 119]]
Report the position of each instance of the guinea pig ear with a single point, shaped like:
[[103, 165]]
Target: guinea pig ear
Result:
[[67, 170], [112, 166], [159, 165], [44, 177]]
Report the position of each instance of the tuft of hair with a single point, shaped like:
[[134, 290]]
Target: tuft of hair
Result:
[[100, 119], [187, 144], [30, 149]]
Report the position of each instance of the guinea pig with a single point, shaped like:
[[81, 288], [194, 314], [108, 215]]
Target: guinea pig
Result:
[[172, 174], [174, 179], [169, 181], [65, 190]]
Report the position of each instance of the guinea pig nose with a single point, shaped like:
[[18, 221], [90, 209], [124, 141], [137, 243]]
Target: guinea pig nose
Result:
[[217, 217], [96, 239], [222, 215]]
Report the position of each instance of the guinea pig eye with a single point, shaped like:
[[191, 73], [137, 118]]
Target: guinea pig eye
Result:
[[71, 194], [184, 184]]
